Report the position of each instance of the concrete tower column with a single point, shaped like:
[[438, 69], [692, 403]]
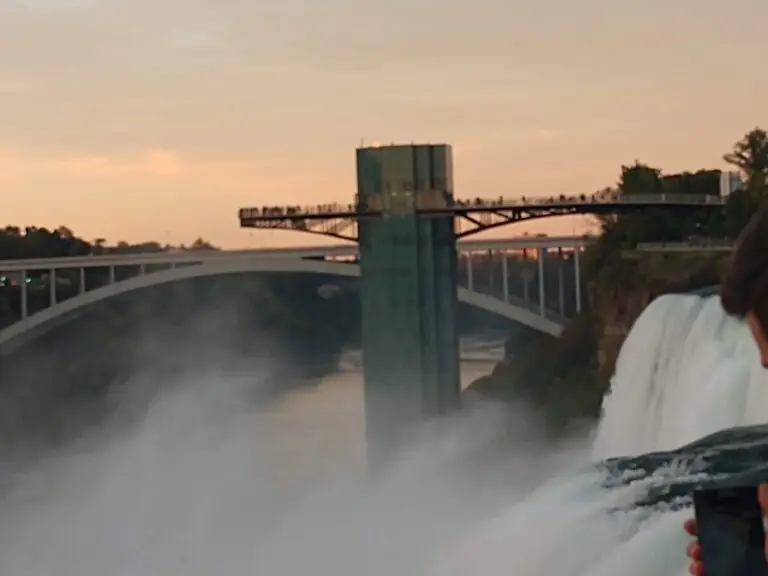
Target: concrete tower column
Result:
[[408, 269]]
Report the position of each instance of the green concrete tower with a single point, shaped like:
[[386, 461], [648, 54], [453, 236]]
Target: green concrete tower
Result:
[[408, 275]]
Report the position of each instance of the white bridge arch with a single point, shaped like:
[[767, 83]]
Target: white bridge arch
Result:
[[45, 320]]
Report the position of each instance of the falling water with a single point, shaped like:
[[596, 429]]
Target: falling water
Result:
[[685, 371]]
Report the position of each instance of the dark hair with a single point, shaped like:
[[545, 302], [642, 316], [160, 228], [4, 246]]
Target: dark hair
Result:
[[745, 285]]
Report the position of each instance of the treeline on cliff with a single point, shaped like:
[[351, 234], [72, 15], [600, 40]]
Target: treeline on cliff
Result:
[[567, 377], [272, 330]]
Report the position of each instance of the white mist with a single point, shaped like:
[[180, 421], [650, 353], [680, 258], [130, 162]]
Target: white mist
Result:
[[685, 370], [210, 484], [213, 483]]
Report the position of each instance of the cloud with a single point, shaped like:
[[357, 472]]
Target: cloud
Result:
[[153, 164], [280, 174]]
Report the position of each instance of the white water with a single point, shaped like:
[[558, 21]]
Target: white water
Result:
[[685, 370], [209, 485]]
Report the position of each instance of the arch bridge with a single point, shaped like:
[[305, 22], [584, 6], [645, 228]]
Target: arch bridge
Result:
[[478, 261]]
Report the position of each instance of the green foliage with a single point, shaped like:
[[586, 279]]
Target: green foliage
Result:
[[34, 242], [738, 210], [750, 156], [639, 179]]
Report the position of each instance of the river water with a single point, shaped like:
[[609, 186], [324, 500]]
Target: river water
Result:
[[210, 484]]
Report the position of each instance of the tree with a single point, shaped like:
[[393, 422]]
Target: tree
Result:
[[639, 179], [750, 156], [739, 208], [35, 242], [201, 245]]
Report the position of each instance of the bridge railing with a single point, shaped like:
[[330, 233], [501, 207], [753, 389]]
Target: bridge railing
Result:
[[606, 197], [693, 245], [685, 199], [199, 256]]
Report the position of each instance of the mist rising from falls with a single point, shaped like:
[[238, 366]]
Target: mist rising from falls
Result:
[[210, 484], [685, 370]]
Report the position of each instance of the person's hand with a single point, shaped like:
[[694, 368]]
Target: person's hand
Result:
[[693, 550]]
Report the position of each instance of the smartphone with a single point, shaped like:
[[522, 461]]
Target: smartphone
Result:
[[731, 532]]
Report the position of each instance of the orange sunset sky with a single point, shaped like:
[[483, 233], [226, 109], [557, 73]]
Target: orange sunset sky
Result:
[[158, 119]]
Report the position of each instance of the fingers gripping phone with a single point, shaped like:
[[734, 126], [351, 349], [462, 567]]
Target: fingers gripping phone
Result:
[[731, 533]]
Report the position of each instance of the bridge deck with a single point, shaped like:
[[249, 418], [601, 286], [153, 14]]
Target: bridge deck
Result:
[[501, 204], [348, 250]]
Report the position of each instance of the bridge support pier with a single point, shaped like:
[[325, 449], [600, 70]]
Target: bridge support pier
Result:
[[408, 291], [527, 276], [24, 295], [52, 287], [470, 273], [505, 276], [542, 308], [577, 275]]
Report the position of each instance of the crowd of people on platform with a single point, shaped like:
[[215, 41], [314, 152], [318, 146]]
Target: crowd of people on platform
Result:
[[337, 209]]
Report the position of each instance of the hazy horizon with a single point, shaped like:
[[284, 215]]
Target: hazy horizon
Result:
[[141, 119]]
